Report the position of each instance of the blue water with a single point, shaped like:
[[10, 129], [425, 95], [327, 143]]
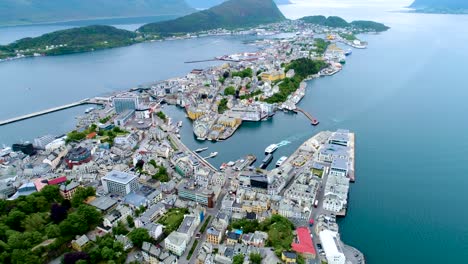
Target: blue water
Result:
[[404, 97]]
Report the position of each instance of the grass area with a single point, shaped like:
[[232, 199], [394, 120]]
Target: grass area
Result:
[[172, 219], [205, 224], [194, 246], [349, 37], [318, 173], [173, 144]]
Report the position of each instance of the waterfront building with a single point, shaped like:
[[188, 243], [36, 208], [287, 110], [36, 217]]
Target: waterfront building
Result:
[[123, 117], [340, 137], [78, 156], [124, 103], [41, 142], [304, 244], [329, 152], [121, 183], [332, 247], [27, 148], [176, 242], [339, 167]]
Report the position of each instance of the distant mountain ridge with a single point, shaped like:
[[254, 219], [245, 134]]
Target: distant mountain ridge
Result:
[[211, 3], [229, 14], [14, 12], [441, 6], [338, 22]]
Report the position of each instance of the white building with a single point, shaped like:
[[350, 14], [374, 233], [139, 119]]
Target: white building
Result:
[[120, 183], [332, 247], [176, 242]]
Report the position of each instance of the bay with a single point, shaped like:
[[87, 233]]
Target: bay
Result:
[[404, 97]]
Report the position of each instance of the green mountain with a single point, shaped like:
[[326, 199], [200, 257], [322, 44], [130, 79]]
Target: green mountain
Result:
[[211, 3], [441, 6], [230, 14], [38, 11], [73, 40], [338, 22]]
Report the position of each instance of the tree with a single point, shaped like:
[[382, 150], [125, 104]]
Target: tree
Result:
[[58, 213], [74, 257], [255, 258], [238, 259], [230, 90], [82, 194], [138, 236], [34, 222], [51, 193], [107, 253], [93, 217], [14, 218], [130, 221], [52, 231], [119, 229]]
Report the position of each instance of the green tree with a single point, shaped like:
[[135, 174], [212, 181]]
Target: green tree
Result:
[[107, 253], [230, 90], [52, 231], [14, 219], [34, 222], [130, 221], [51, 193], [238, 259], [82, 194], [138, 236], [119, 229], [255, 258]]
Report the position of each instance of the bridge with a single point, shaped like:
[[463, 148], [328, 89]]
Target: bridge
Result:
[[313, 120], [50, 110]]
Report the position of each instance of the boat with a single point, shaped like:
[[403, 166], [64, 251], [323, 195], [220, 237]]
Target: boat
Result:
[[266, 161], [270, 149], [89, 110], [213, 154], [348, 52], [179, 124], [200, 150], [281, 161], [343, 61], [315, 122]]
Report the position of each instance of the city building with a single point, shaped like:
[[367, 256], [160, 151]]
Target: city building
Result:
[[121, 183], [176, 242], [123, 117], [68, 190], [104, 204], [78, 156], [288, 257], [191, 191], [331, 246], [121, 104], [303, 244], [41, 142]]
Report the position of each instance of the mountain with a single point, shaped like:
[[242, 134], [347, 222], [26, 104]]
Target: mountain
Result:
[[13, 12], [230, 14], [440, 6], [338, 22], [211, 3], [73, 40]]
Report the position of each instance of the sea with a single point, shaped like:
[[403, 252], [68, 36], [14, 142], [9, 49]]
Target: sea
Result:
[[404, 97]]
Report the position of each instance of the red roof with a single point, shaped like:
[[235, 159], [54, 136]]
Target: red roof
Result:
[[305, 243], [91, 135], [58, 180]]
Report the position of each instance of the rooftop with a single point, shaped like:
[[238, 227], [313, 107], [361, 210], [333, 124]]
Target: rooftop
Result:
[[304, 243], [120, 177], [103, 203]]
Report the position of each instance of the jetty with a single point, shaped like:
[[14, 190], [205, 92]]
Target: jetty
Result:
[[50, 110], [309, 116]]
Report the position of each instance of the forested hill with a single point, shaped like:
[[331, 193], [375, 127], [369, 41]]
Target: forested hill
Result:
[[441, 6], [14, 12], [230, 14], [338, 22], [71, 41]]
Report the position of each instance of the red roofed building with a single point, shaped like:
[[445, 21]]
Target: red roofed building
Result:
[[57, 181], [303, 243], [91, 135]]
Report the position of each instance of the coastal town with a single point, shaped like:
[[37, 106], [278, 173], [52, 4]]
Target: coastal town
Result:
[[126, 168]]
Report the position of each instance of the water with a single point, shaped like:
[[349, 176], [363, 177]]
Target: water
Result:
[[404, 97]]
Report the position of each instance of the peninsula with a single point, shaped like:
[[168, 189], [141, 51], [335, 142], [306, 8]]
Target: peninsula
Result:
[[231, 14], [17, 12]]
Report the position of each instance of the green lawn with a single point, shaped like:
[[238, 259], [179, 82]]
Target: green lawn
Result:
[[172, 219], [319, 173]]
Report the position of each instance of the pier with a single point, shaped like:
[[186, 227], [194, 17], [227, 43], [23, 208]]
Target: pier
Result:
[[313, 120], [50, 110]]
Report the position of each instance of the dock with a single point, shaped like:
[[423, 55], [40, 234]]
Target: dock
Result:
[[309, 116], [48, 111]]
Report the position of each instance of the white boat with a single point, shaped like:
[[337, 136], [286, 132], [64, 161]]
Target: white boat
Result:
[[89, 110], [179, 124], [270, 149], [200, 150], [281, 161], [213, 154]]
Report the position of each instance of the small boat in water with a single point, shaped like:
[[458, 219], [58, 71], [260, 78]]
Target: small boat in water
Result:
[[348, 52], [270, 149], [200, 150], [281, 161], [315, 122], [179, 124], [266, 161]]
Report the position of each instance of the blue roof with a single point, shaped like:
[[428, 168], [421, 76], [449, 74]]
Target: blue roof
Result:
[[339, 164], [238, 231]]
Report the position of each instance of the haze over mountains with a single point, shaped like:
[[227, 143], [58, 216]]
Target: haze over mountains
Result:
[[441, 5], [37, 11], [211, 3]]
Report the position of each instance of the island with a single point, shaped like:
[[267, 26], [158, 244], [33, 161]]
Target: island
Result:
[[231, 14], [16, 12], [338, 22], [440, 6]]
